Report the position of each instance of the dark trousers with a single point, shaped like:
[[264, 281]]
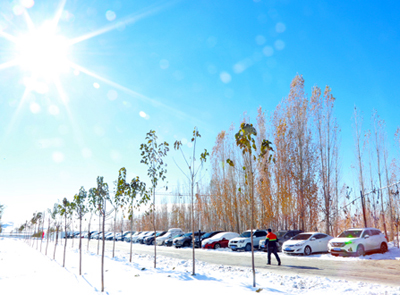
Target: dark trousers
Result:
[[275, 251]]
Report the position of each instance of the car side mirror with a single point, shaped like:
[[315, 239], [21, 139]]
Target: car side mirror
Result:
[[366, 237], [312, 239]]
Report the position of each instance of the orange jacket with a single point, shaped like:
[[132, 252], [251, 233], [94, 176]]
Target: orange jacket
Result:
[[271, 240]]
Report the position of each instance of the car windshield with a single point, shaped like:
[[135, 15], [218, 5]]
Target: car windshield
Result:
[[280, 234], [302, 237], [245, 234], [350, 234], [187, 235], [177, 236]]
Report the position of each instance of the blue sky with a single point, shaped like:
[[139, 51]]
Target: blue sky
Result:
[[170, 66]]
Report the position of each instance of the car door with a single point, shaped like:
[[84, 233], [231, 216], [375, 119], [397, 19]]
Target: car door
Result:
[[375, 238], [368, 240], [320, 243]]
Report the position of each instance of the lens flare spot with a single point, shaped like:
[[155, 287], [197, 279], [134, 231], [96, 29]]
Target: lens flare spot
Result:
[[164, 64], [58, 157], [96, 85], [280, 27], [112, 94], [225, 77], [184, 141], [144, 115], [34, 107], [110, 15], [268, 51]]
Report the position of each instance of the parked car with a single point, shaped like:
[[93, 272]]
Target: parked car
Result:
[[169, 242], [186, 239], [172, 232], [151, 240], [133, 237], [283, 236], [123, 235], [110, 236], [95, 235], [139, 236], [197, 243], [243, 242], [220, 240], [358, 241], [307, 243], [140, 240]]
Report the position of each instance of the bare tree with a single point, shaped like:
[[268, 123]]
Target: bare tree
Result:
[[191, 176]]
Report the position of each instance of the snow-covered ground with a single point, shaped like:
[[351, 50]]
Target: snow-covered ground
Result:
[[26, 270]]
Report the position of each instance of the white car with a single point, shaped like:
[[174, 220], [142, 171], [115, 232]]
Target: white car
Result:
[[170, 233], [358, 241], [243, 242], [140, 236], [307, 243]]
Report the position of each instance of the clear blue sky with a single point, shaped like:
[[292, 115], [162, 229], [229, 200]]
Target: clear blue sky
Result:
[[170, 66]]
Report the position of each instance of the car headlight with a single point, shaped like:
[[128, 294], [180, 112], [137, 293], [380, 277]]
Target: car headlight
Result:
[[299, 244], [241, 241]]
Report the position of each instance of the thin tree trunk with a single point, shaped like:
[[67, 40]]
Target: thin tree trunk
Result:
[[130, 251], [56, 242], [47, 243], [65, 245], [80, 245], [154, 226], [102, 251], [98, 240], [115, 222], [89, 232]]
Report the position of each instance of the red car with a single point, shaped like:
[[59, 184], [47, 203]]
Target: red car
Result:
[[220, 240]]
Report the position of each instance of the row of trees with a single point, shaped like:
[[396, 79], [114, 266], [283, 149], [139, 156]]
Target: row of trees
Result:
[[297, 184], [304, 188], [125, 200]]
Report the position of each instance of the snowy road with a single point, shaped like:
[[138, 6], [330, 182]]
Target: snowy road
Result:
[[366, 269]]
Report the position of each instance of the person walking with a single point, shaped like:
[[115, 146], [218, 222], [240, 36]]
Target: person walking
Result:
[[270, 244]]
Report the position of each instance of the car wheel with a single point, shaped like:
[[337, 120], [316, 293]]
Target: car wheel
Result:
[[217, 246], [384, 248], [248, 247], [360, 250], [307, 250], [153, 242], [186, 244]]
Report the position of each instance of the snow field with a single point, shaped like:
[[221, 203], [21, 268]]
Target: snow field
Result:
[[25, 270]]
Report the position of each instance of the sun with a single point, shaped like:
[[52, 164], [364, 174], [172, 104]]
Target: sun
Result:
[[42, 54]]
